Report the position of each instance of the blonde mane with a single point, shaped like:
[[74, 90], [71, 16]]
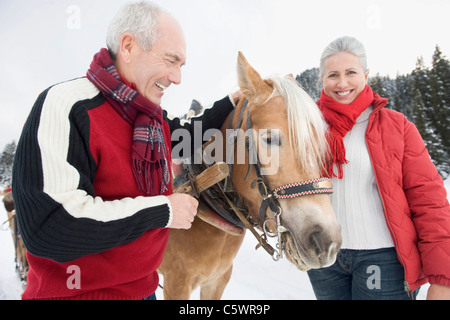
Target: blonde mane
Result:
[[306, 124]]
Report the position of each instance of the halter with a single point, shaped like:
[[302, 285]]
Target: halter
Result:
[[270, 196]]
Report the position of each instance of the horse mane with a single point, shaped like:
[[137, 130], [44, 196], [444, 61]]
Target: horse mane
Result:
[[306, 124]]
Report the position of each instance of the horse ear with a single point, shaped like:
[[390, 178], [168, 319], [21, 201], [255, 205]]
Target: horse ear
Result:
[[250, 81]]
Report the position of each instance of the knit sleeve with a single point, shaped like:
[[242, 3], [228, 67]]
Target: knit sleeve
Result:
[[429, 206], [59, 216]]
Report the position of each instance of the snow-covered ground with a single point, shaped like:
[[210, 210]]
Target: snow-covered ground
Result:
[[255, 275], [10, 286]]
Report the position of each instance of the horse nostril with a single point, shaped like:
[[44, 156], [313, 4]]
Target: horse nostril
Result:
[[316, 242], [322, 245]]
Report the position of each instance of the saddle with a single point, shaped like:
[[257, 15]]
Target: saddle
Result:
[[212, 199]]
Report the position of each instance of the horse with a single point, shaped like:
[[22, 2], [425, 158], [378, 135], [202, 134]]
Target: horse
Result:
[[21, 252], [277, 186]]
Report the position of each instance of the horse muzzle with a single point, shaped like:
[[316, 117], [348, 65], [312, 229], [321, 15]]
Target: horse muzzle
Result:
[[314, 250]]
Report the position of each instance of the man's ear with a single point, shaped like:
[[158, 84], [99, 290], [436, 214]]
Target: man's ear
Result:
[[126, 45]]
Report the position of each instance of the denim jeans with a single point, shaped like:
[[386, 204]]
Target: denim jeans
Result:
[[361, 275], [151, 297]]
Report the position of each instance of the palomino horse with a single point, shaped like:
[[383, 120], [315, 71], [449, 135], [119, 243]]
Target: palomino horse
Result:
[[288, 200], [21, 251]]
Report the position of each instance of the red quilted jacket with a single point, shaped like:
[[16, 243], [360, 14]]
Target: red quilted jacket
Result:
[[414, 197]]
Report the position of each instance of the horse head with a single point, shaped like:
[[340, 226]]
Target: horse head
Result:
[[284, 137]]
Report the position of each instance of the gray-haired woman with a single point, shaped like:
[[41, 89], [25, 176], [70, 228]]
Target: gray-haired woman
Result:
[[389, 198]]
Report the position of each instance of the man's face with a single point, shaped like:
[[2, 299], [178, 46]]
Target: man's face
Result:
[[154, 71]]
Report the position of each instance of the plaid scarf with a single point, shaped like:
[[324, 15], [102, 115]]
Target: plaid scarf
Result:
[[341, 118], [149, 153]]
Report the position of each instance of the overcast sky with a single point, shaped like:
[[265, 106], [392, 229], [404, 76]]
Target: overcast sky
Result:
[[48, 41]]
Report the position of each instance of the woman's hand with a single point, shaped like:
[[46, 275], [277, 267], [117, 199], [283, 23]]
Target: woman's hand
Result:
[[438, 292]]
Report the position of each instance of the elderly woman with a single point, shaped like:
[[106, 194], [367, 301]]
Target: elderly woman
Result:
[[389, 198]]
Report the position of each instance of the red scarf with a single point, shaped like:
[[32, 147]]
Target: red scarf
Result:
[[149, 153], [341, 118]]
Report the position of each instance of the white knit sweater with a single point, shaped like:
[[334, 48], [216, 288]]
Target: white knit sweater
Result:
[[356, 200]]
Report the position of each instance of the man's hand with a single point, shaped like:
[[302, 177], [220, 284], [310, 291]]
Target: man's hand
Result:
[[236, 96], [184, 209]]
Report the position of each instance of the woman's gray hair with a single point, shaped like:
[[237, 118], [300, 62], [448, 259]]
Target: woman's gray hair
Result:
[[344, 44], [137, 18]]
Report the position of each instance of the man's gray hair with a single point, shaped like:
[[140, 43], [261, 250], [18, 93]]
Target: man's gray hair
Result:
[[344, 44], [137, 18]]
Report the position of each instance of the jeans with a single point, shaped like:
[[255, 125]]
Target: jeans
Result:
[[362, 275], [152, 297]]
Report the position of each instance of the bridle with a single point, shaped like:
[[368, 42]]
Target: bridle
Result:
[[270, 196]]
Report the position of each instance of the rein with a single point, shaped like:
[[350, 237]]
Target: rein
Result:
[[270, 196]]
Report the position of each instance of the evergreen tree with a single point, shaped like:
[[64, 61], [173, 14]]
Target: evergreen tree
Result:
[[439, 96], [420, 117], [6, 163], [420, 81], [377, 84], [309, 80], [402, 100], [432, 140]]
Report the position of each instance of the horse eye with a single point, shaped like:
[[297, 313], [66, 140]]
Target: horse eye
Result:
[[272, 139]]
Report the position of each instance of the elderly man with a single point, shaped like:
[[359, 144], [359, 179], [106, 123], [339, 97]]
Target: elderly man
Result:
[[92, 178]]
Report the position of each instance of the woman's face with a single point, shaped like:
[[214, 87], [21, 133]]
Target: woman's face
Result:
[[343, 77]]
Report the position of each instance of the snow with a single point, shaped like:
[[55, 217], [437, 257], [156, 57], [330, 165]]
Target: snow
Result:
[[255, 275], [10, 286]]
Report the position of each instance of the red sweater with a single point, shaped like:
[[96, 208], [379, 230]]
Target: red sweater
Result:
[[89, 230]]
